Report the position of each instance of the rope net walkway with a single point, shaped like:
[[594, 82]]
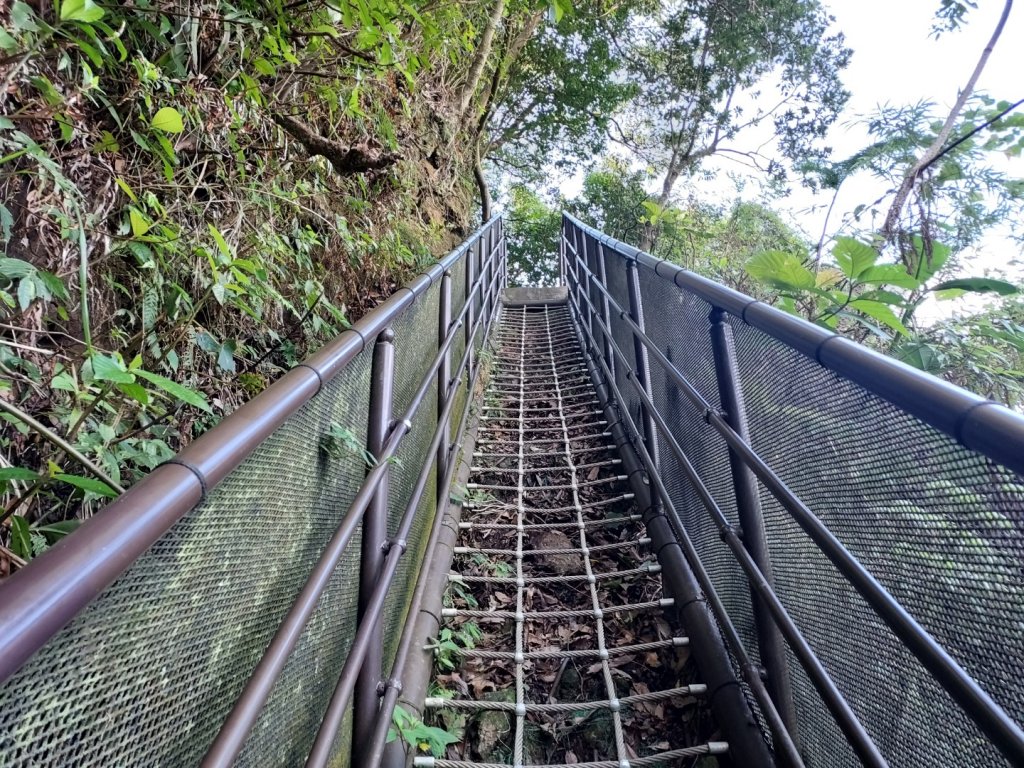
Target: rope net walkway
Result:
[[566, 650]]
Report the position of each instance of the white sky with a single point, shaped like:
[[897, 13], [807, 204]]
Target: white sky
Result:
[[896, 60]]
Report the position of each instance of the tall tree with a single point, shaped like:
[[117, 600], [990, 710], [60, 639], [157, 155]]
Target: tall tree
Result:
[[548, 90], [710, 71]]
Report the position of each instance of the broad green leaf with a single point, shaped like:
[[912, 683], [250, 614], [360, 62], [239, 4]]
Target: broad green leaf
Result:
[[106, 368], [21, 538], [881, 312], [226, 356], [56, 531], [926, 265], [89, 484], [16, 473], [136, 392], [979, 285], [140, 225], [26, 293], [264, 67], [168, 119], [780, 270], [889, 274], [853, 256], [65, 381], [175, 389], [222, 244], [80, 10], [920, 355], [126, 189], [15, 268], [23, 18], [207, 343], [7, 43]]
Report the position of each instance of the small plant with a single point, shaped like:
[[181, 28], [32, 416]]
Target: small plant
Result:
[[421, 737], [451, 643], [340, 442], [456, 588], [497, 568], [477, 497]]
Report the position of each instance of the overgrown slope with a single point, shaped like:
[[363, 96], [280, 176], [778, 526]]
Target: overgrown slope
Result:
[[193, 196]]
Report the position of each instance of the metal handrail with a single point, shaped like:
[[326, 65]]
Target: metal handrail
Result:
[[953, 411], [41, 599]]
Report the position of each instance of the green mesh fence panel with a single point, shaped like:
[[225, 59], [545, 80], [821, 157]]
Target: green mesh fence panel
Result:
[[148, 672], [937, 524]]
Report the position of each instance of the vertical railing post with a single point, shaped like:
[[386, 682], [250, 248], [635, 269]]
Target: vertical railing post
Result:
[[444, 386], [573, 264], [562, 276], [374, 538], [585, 284], [470, 314], [751, 521], [641, 361], [606, 313], [492, 246]]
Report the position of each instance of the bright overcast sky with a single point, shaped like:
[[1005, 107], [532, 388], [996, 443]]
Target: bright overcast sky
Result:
[[897, 60]]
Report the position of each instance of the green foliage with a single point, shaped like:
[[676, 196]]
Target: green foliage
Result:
[[532, 231], [880, 299], [961, 196], [422, 738], [983, 352], [555, 102], [695, 64], [450, 644], [168, 249]]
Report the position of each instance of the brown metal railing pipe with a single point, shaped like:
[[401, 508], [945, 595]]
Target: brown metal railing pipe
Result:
[[363, 644], [847, 720], [751, 519], [42, 598], [941, 402], [445, 388], [399, 673], [374, 532], [685, 577], [236, 728]]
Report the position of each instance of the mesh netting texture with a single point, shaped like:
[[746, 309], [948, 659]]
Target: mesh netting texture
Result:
[[938, 525], [148, 672], [679, 325]]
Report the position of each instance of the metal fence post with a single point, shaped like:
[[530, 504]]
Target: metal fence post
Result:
[[375, 533], [444, 385], [602, 276], [470, 314], [561, 256], [641, 361], [751, 520]]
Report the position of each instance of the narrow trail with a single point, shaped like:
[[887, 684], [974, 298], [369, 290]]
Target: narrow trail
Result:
[[568, 652]]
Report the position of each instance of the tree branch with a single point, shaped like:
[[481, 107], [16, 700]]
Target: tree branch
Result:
[[345, 159], [889, 230]]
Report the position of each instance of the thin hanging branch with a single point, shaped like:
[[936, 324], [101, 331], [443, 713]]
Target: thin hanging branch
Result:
[[60, 442], [891, 228]]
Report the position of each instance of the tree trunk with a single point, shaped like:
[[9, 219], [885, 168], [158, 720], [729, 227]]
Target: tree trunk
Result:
[[485, 193], [483, 51]]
